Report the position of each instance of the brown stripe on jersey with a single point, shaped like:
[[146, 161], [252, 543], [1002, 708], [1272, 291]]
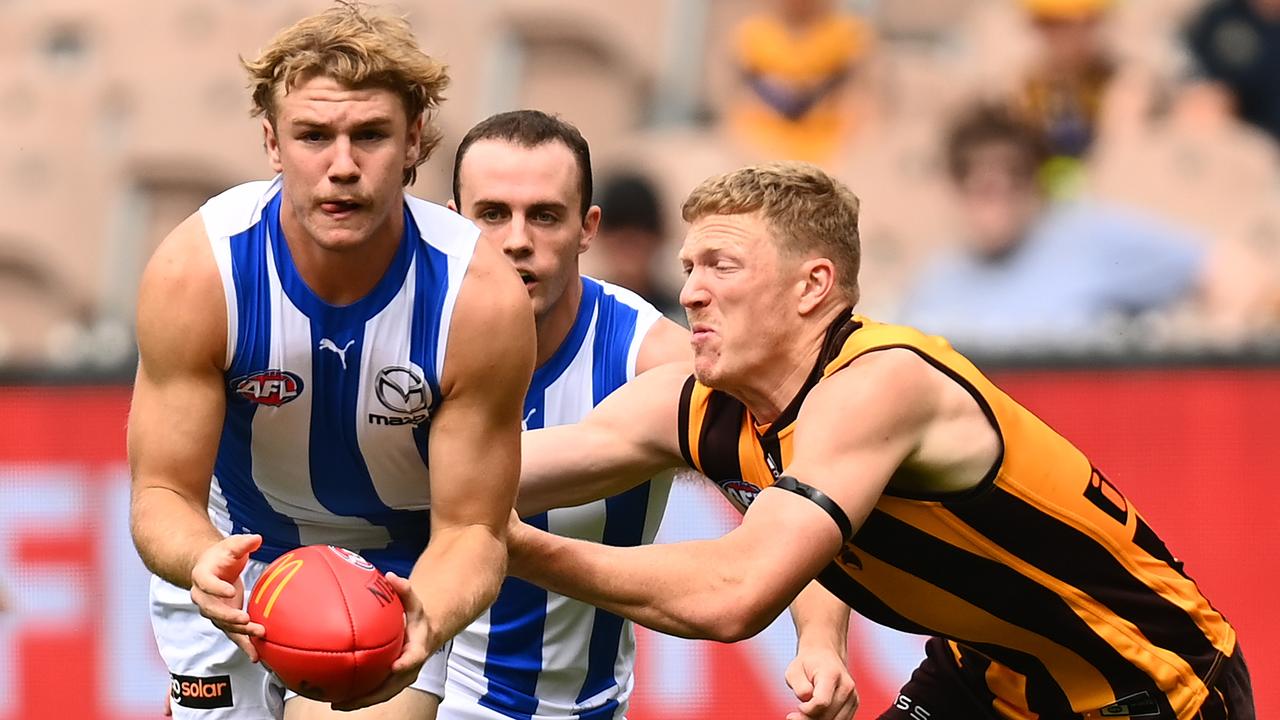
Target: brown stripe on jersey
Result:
[[718, 437], [686, 429], [838, 583], [1146, 538], [1075, 558], [1004, 593]]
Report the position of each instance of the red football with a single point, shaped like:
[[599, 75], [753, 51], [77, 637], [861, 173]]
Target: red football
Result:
[[333, 623]]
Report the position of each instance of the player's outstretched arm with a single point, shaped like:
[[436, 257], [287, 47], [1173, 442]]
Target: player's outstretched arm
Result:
[[730, 588], [666, 342], [819, 675], [629, 437], [475, 445], [175, 420]]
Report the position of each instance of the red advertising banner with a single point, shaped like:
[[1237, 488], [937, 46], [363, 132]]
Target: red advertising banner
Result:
[[1193, 449]]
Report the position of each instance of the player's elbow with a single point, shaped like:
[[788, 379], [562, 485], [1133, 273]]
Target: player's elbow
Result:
[[739, 616]]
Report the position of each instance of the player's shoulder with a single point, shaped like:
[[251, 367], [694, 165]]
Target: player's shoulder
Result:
[[442, 228], [618, 294], [238, 208]]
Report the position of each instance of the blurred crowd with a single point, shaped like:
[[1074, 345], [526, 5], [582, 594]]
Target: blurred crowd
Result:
[[1038, 176]]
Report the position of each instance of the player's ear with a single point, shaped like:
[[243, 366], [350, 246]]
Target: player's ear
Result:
[[271, 144], [413, 146], [817, 281], [590, 226], [453, 206]]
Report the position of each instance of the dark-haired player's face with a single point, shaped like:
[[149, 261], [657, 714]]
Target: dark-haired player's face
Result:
[[527, 201], [736, 296], [343, 153]]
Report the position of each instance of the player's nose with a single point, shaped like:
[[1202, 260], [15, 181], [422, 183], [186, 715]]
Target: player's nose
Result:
[[517, 241], [694, 292], [343, 167]]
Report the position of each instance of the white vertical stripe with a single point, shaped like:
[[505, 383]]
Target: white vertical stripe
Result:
[[457, 272], [389, 452], [222, 255]]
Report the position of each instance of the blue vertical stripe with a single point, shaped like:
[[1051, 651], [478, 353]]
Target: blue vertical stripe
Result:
[[517, 622], [340, 477], [624, 513], [431, 280], [233, 466], [518, 618]]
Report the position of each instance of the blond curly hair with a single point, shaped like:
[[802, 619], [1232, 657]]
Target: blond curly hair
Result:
[[359, 49], [808, 212]]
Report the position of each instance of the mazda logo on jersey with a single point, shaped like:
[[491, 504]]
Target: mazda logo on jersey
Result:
[[272, 387], [401, 390]]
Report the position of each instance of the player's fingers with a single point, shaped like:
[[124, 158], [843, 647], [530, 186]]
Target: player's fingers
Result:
[[240, 545], [210, 584], [798, 680], [217, 608], [824, 686], [242, 642], [849, 707], [412, 657], [408, 598]]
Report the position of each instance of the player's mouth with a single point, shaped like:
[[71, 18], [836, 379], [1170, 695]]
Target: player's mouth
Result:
[[528, 278], [701, 332], [339, 209]]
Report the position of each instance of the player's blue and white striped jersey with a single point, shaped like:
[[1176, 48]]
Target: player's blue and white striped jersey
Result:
[[328, 408], [536, 654]]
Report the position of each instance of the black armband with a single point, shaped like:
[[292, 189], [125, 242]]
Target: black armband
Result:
[[790, 484]]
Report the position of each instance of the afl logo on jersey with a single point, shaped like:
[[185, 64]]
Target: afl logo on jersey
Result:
[[401, 390], [740, 492], [269, 387]]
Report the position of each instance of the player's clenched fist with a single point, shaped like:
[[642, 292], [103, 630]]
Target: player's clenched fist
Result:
[[216, 588]]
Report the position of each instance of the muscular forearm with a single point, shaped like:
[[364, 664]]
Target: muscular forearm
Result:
[[458, 576], [170, 532], [539, 493], [821, 620], [683, 592]]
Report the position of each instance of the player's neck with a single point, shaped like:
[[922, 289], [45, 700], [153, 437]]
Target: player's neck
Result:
[[554, 325], [768, 390], [342, 276]]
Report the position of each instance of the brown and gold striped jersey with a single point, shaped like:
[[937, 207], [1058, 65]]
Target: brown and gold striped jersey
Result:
[[1054, 592]]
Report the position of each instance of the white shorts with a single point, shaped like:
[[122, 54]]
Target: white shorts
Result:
[[212, 678]]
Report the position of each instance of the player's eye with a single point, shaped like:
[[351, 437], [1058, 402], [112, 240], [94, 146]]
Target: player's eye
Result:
[[491, 215]]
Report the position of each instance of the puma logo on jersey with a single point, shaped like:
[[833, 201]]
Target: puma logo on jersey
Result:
[[341, 352], [524, 424]]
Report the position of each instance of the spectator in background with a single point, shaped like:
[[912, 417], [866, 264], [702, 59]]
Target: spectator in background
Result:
[[1235, 46], [1064, 91], [797, 62], [630, 238], [1027, 271]]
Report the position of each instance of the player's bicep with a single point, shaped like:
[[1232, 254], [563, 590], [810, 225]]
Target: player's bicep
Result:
[[474, 445], [849, 456], [178, 399], [783, 542]]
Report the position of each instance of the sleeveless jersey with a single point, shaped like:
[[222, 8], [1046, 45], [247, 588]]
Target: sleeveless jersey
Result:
[[329, 408], [536, 653], [1056, 596]]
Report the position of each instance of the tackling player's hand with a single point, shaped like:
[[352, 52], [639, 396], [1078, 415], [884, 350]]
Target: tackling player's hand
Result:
[[218, 590], [823, 685], [419, 643]]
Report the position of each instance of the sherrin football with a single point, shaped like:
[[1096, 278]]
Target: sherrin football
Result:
[[333, 622]]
